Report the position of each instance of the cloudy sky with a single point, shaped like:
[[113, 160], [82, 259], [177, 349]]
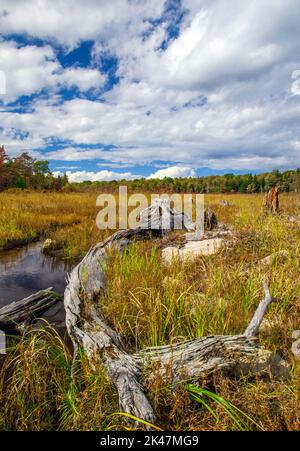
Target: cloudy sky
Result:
[[106, 89]]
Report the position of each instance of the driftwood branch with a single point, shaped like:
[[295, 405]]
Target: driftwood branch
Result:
[[20, 313], [253, 327], [88, 330]]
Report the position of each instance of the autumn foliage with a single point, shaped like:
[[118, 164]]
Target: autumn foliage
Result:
[[25, 172]]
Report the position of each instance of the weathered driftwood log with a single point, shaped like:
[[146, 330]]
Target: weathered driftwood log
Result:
[[18, 314], [253, 327], [236, 353], [88, 329], [271, 200], [160, 216]]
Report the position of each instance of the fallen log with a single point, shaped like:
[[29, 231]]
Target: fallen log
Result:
[[18, 314], [88, 330]]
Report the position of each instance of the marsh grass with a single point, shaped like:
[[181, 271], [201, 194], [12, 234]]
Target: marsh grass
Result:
[[37, 393], [239, 418], [69, 218], [150, 304]]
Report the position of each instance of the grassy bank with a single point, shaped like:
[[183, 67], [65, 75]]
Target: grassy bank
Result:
[[67, 218], [150, 304]]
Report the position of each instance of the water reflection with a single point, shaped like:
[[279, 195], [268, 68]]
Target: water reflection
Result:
[[26, 269]]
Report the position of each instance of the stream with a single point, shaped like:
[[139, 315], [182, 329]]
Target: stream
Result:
[[25, 270]]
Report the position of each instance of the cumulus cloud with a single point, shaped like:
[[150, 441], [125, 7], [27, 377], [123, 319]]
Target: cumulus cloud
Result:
[[82, 78], [173, 172], [28, 69], [223, 136], [105, 175], [218, 92], [101, 176], [71, 21], [226, 42]]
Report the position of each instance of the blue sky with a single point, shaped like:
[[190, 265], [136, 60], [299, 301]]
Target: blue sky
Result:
[[123, 89]]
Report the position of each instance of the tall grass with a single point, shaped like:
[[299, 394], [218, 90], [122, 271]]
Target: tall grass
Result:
[[239, 418], [148, 304], [37, 393], [69, 218]]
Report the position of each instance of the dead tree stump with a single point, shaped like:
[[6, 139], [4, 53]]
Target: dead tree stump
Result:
[[210, 220], [271, 200]]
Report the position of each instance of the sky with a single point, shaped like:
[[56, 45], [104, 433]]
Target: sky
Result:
[[106, 90]]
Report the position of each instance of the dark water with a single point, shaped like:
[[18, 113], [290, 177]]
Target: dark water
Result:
[[26, 270]]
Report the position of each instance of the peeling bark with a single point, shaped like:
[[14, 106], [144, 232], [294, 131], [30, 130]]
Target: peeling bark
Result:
[[88, 330]]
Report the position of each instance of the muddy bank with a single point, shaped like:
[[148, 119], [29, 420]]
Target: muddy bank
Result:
[[13, 244], [40, 235]]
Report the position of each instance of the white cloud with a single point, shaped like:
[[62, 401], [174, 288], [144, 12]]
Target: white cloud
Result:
[[174, 172], [82, 78], [220, 94], [221, 44], [74, 154], [105, 175], [212, 51], [82, 176], [229, 136], [28, 69], [70, 21], [296, 145], [295, 87]]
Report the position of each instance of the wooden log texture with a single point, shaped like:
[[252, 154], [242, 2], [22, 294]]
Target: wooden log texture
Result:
[[17, 314], [88, 330]]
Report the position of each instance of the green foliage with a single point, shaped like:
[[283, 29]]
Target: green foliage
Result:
[[239, 418], [24, 172], [229, 183]]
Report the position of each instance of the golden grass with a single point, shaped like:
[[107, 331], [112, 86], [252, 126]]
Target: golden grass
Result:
[[68, 218], [152, 304]]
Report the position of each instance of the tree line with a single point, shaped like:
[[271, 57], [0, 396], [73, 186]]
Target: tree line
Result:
[[288, 181], [24, 171]]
